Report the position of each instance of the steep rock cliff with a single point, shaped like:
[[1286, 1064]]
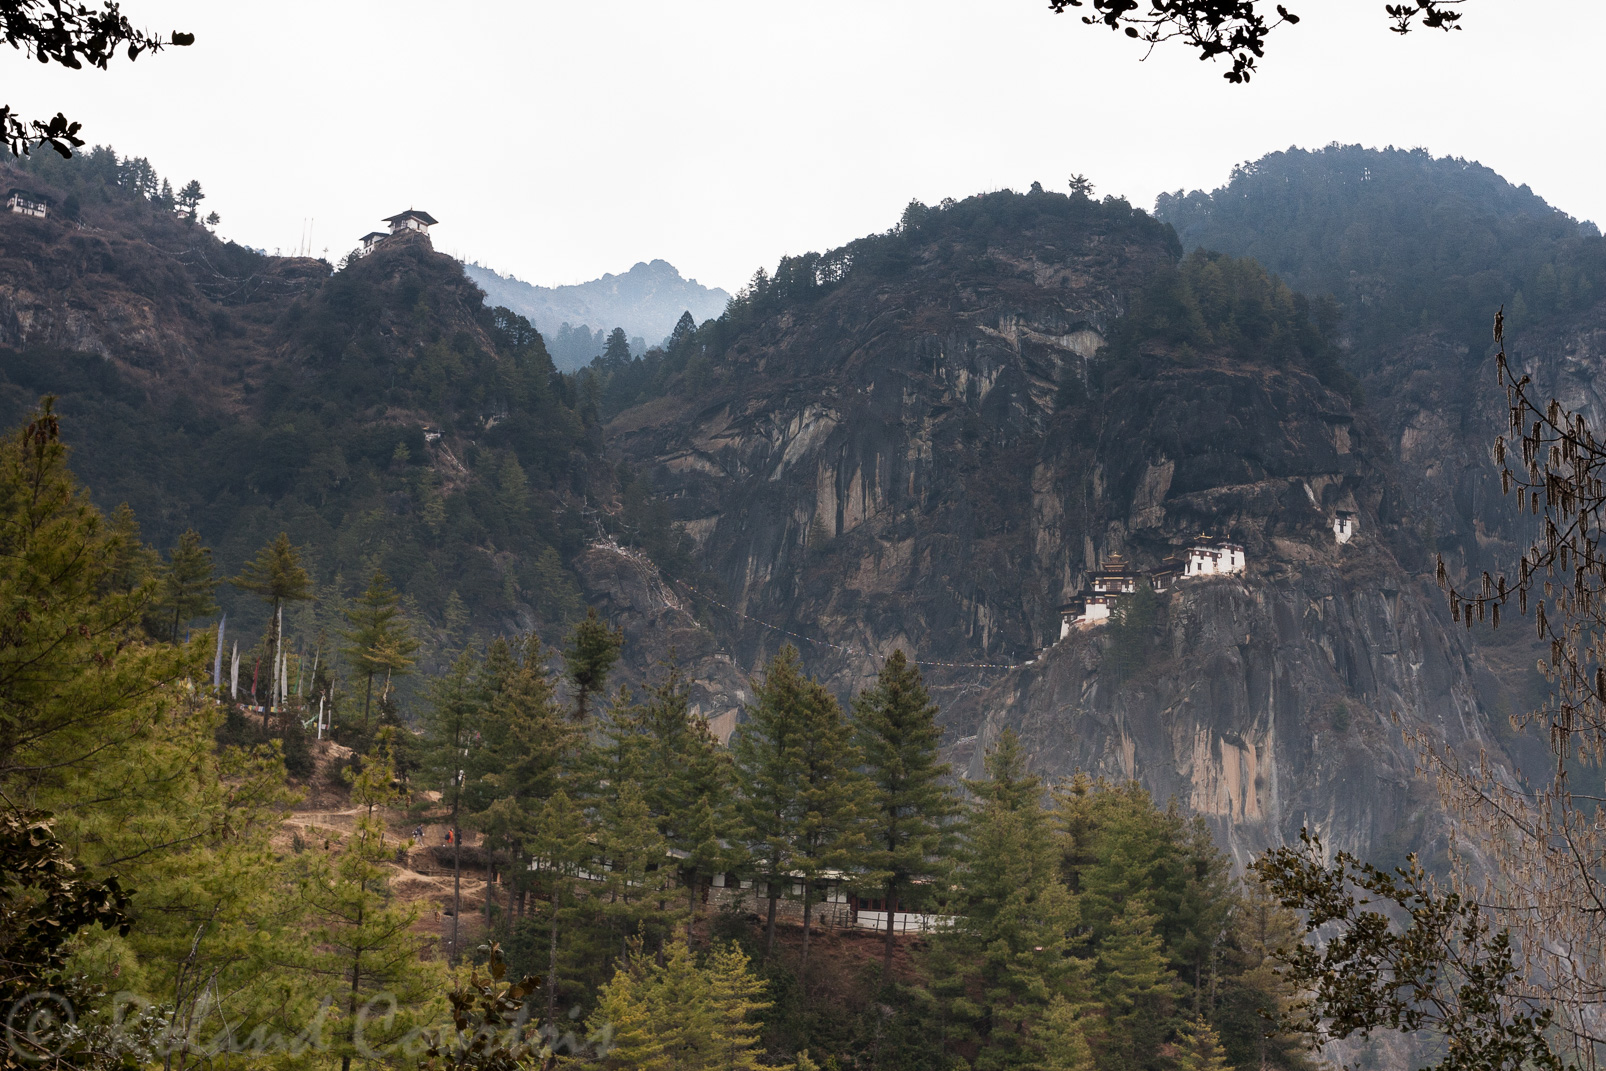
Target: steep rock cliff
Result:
[[933, 459]]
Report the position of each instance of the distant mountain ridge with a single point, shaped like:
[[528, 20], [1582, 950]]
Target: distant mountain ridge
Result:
[[645, 301]]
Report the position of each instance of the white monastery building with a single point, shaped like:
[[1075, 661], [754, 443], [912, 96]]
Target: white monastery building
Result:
[[410, 220], [1205, 556], [26, 203]]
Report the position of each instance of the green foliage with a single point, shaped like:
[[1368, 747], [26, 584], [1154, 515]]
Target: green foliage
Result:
[[363, 935], [1137, 988], [927, 237], [686, 777], [677, 1015], [1199, 1049], [593, 649], [907, 818], [1404, 240], [187, 584], [768, 749], [1211, 306], [306, 384], [73, 678], [830, 799], [275, 575], [1441, 967], [378, 637], [1009, 955], [1131, 631]]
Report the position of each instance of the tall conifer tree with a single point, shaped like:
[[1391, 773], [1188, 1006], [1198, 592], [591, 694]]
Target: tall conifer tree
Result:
[[187, 582], [833, 797], [451, 718], [769, 758], [911, 805], [1137, 987], [1010, 953], [275, 576], [378, 637], [592, 651], [687, 778]]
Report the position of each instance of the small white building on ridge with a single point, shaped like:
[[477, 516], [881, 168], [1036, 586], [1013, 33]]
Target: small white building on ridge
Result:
[[26, 203], [411, 220]]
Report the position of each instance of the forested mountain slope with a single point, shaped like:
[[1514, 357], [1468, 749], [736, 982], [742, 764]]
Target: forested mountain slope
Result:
[[922, 440], [926, 439], [1420, 252], [382, 415]]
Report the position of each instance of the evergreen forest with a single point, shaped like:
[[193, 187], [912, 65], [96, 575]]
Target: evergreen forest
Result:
[[225, 886]]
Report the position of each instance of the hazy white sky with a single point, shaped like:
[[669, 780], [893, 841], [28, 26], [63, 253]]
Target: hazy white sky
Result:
[[560, 140]]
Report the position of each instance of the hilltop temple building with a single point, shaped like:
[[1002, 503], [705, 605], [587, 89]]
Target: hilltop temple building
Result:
[[1092, 606], [410, 220]]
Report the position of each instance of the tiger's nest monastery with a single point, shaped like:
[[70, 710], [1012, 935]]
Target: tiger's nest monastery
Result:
[[1106, 586]]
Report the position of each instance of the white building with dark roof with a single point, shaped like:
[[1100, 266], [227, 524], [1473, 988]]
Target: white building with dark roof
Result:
[[411, 220]]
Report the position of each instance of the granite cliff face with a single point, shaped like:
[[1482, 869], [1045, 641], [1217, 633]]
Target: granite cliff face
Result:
[[933, 459]]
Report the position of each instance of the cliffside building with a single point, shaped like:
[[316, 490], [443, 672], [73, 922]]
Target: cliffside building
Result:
[[1213, 557], [1104, 589], [1345, 525], [372, 239], [26, 203], [1206, 556]]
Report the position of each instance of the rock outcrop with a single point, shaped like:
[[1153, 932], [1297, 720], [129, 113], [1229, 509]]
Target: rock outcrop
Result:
[[930, 460]]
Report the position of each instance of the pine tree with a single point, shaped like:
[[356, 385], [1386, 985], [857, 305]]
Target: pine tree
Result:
[[1198, 1048], [1251, 983], [187, 828], [1137, 988], [592, 651], [559, 842], [378, 637], [74, 679], [531, 750], [687, 780], [1062, 1040], [187, 583], [276, 577], [1011, 950], [678, 1016], [736, 997], [768, 749], [617, 349], [908, 833], [132, 563], [832, 799], [190, 198], [365, 934], [638, 886], [451, 718]]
